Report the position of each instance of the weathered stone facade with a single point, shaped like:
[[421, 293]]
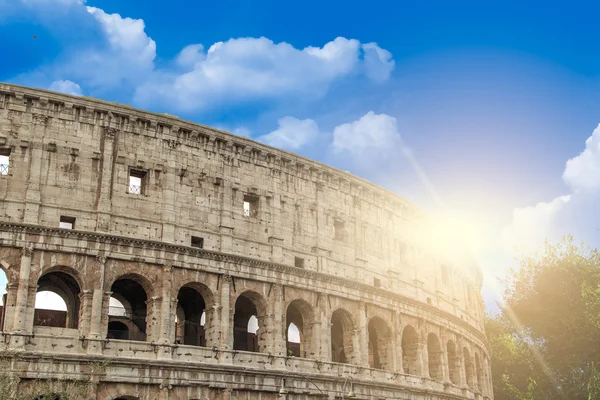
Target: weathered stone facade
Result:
[[219, 225]]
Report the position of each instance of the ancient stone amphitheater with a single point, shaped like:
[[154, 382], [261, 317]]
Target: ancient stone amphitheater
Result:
[[187, 257]]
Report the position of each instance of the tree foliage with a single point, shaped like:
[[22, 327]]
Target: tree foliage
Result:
[[546, 341]]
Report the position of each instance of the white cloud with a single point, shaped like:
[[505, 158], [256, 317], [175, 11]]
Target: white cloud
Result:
[[583, 171], [258, 68], [377, 132], [126, 57], [241, 131], [532, 225], [292, 133], [67, 87], [378, 62]]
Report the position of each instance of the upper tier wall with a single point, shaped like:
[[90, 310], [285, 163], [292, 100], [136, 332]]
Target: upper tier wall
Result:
[[73, 156]]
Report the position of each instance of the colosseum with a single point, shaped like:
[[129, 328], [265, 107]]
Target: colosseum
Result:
[[196, 264]]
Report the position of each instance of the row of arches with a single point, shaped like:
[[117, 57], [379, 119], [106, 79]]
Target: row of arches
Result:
[[128, 316]]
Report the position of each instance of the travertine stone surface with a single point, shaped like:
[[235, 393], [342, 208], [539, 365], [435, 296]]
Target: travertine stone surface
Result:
[[319, 247]]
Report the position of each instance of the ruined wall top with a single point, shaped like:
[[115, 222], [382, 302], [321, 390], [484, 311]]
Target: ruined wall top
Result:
[[209, 188]]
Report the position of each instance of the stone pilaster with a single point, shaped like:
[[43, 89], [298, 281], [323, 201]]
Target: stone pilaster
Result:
[[423, 360], [166, 316], [364, 335], [153, 306], [108, 146], [226, 334], [226, 223], [169, 210], [85, 312], [21, 309], [10, 306], [324, 340], [97, 301], [278, 346]]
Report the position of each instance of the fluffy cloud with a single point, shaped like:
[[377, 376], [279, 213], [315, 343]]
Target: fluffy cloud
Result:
[[377, 132], [583, 171], [67, 87], [242, 69], [292, 133], [258, 68], [532, 225]]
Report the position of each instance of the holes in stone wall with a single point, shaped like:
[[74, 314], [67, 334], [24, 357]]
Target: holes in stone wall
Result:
[[250, 206], [197, 242], [299, 262]]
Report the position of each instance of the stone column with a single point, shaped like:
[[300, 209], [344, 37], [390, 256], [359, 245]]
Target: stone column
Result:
[[325, 334], [226, 223], [279, 347], [153, 305], [10, 306], [85, 312], [212, 325], [20, 315], [97, 301], [364, 335], [166, 316], [423, 360], [474, 369], [445, 362], [36, 168], [226, 342], [399, 350]]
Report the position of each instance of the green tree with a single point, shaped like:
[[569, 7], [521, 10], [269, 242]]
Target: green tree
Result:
[[546, 341]]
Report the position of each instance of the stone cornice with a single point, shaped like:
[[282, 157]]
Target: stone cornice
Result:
[[237, 259]]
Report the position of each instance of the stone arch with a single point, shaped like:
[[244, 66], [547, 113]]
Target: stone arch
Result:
[[192, 301], [453, 363], [380, 344], [118, 330], [135, 290], [478, 373], [48, 396], [300, 313], [410, 351], [248, 305], [342, 336], [468, 363], [64, 283], [126, 398], [435, 357]]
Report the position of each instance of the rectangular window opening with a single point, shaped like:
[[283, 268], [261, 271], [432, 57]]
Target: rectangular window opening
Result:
[[299, 262], [66, 222], [376, 282], [197, 242], [444, 274], [137, 181], [250, 206], [339, 232], [4, 161]]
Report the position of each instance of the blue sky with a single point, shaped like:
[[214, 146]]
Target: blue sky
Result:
[[469, 108]]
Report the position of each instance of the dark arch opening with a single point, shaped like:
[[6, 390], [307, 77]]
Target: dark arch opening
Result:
[[410, 351], [61, 308], [50, 396], [118, 330], [453, 363], [190, 321], [342, 327], [468, 367], [244, 318], [299, 316], [380, 344], [133, 297], [434, 354]]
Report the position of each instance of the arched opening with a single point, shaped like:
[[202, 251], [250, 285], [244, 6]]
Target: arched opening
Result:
[[479, 373], [342, 327], [380, 344], [468, 367], [57, 301], [410, 351], [3, 296], [190, 317], [245, 323], [299, 318], [128, 307], [118, 330], [434, 354], [453, 363], [126, 398]]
